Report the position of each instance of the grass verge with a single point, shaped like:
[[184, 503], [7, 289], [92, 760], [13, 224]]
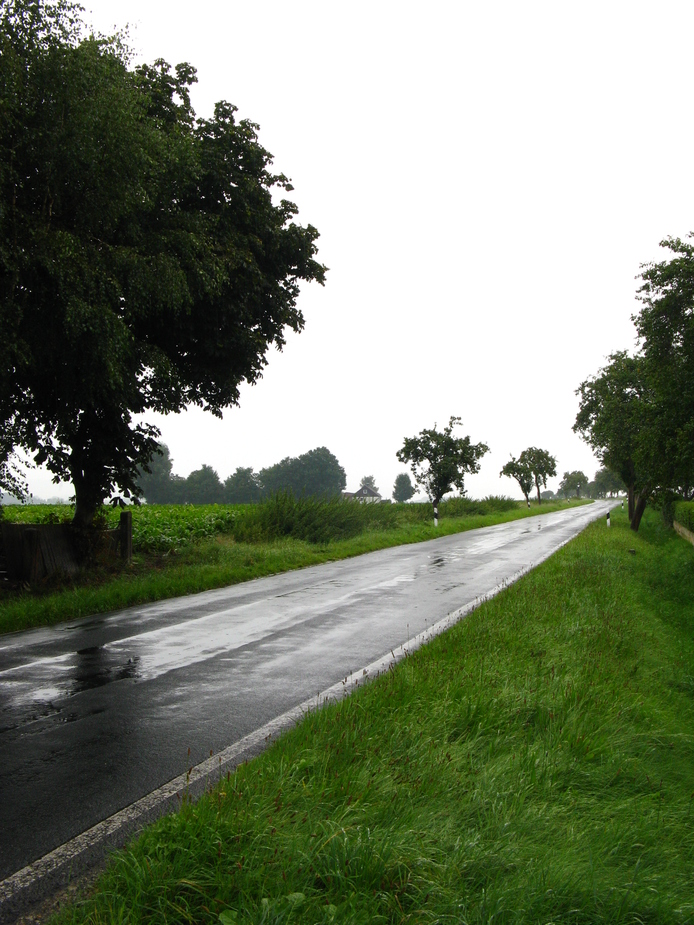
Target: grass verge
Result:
[[533, 764], [210, 562]]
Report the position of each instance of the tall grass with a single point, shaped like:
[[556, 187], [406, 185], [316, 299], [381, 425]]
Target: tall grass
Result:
[[535, 764], [315, 520]]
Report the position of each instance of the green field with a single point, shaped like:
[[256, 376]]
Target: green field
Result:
[[181, 549], [534, 764]]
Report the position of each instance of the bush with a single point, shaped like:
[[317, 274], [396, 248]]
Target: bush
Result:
[[315, 520], [455, 507], [684, 514]]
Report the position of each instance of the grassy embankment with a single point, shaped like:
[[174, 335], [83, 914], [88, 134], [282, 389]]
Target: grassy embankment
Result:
[[183, 549], [533, 764]]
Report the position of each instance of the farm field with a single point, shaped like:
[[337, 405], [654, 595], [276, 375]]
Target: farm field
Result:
[[181, 549], [533, 764]]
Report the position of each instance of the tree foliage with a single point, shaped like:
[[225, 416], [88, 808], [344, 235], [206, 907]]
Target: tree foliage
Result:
[[605, 483], [610, 416], [638, 412], [542, 466], [403, 489], [665, 326], [439, 461], [521, 472], [316, 473], [155, 481], [243, 487], [573, 482], [143, 262], [202, 486], [368, 481]]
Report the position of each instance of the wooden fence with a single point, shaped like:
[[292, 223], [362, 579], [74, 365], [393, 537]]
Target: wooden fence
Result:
[[35, 551]]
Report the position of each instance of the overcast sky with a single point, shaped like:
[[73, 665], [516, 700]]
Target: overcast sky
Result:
[[486, 179]]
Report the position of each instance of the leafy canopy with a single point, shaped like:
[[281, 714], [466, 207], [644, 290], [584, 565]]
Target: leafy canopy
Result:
[[521, 472], [610, 416], [242, 487], [317, 473], [665, 326], [144, 265], [637, 413], [403, 489], [439, 461], [573, 482], [542, 466], [605, 483]]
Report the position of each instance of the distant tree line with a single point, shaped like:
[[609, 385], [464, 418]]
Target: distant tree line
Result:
[[576, 485], [314, 474]]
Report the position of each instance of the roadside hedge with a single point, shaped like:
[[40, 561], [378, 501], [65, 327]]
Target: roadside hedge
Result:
[[684, 514]]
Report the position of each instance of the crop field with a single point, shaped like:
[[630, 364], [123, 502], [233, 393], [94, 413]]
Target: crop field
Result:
[[156, 527], [166, 528]]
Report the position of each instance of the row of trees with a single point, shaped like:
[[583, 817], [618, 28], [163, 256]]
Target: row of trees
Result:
[[637, 413], [533, 467], [316, 473], [439, 462], [576, 484]]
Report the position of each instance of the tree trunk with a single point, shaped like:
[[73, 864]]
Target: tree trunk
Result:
[[88, 500], [537, 485], [630, 501], [639, 508]]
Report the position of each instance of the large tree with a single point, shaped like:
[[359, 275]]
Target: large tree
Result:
[[144, 265], [157, 484], [203, 486], [439, 461], [665, 326], [521, 472], [403, 489], [574, 481], [605, 483], [242, 487], [541, 465], [613, 408], [638, 412], [317, 473]]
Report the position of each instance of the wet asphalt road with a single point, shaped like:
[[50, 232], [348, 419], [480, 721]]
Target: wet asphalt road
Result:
[[96, 713]]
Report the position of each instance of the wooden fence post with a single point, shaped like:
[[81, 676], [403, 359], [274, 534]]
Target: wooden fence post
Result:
[[126, 535], [31, 555]]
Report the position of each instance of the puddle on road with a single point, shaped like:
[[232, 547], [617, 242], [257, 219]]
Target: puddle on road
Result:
[[40, 692], [96, 666]]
